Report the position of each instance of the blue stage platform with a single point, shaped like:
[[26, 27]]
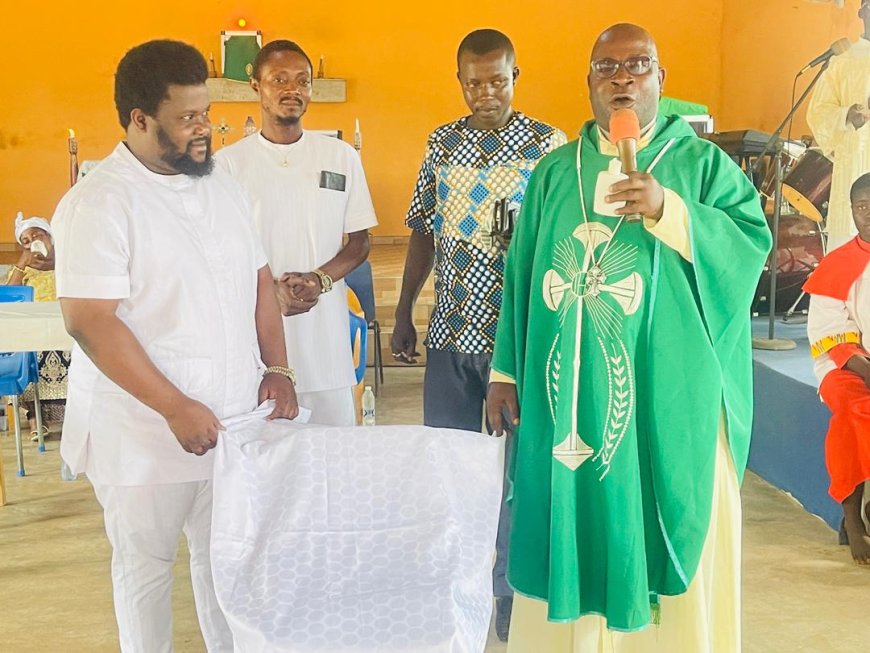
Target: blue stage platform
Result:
[[788, 435]]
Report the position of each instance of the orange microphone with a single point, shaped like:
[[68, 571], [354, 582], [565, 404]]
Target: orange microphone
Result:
[[625, 133]]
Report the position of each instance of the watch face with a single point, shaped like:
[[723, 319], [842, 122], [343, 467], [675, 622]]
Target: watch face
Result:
[[325, 281]]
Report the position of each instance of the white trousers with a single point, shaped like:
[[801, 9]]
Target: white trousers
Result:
[[330, 407], [144, 524]]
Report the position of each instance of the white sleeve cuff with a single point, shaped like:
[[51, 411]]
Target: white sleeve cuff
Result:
[[673, 227]]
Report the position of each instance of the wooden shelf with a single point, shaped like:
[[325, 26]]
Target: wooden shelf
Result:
[[229, 90], [328, 89], [324, 89]]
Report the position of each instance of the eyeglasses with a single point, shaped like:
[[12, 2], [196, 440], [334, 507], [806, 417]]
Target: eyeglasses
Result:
[[635, 66]]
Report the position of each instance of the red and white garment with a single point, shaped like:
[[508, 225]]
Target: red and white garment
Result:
[[839, 328]]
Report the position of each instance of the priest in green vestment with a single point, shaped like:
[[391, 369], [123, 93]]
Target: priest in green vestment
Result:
[[623, 356]]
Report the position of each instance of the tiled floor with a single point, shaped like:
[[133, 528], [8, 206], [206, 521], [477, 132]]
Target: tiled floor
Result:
[[801, 592]]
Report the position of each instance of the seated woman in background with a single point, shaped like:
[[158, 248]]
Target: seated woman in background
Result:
[[35, 267]]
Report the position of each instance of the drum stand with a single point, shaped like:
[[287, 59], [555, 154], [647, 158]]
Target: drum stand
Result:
[[771, 343], [774, 144]]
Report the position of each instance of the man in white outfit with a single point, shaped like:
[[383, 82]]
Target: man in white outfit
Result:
[[166, 290], [838, 115], [308, 191]]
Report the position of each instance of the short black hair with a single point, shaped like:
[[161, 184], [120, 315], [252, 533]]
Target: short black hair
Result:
[[484, 41], [861, 183], [281, 45], [145, 73]]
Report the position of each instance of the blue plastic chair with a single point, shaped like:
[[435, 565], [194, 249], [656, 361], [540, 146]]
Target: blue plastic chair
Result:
[[359, 329], [17, 371], [360, 281]]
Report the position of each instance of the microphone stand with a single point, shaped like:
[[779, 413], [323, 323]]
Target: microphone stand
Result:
[[774, 145]]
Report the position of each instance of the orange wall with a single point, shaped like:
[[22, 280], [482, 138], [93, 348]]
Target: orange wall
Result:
[[765, 44], [399, 61]]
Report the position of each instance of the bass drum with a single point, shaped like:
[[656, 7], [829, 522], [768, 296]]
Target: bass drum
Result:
[[807, 186], [799, 250]]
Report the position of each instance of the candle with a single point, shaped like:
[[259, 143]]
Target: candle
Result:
[[73, 147], [320, 68]]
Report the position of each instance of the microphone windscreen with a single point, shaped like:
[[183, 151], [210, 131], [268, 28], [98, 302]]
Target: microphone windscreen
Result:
[[624, 124], [840, 46]]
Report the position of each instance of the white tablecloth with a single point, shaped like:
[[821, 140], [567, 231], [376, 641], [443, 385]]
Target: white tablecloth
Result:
[[372, 539], [32, 326]]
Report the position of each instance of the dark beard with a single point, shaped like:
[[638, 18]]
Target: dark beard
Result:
[[183, 162], [287, 121]]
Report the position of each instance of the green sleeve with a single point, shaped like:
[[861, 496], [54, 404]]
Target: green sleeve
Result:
[[730, 242]]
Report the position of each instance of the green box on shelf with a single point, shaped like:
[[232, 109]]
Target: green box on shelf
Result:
[[238, 50]]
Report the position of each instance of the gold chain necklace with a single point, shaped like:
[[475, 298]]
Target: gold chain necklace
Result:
[[281, 150]]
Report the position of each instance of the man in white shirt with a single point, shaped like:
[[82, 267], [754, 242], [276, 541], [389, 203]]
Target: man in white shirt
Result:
[[307, 191], [166, 290]]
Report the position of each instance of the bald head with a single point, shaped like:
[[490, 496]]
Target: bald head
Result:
[[639, 90], [625, 32]]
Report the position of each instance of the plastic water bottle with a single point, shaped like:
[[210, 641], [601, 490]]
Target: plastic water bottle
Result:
[[368, 405], [66, 474]]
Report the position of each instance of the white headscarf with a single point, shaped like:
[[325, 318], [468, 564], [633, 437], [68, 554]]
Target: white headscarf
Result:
[[22, 225]]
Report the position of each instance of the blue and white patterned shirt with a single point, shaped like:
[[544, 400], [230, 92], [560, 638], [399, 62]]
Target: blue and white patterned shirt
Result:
[[464, 173]]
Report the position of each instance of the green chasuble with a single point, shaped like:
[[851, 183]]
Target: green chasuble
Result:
[[614, 455]]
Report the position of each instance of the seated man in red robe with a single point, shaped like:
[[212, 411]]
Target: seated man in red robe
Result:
[[839, 333]]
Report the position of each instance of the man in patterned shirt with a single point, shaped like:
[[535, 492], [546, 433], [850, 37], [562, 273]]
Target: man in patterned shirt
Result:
[[470, 165]]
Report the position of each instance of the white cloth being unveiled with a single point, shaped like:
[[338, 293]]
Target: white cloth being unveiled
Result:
[[355, 539]]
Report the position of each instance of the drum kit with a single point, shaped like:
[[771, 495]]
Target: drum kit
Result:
[[806, 190], [799, 181]]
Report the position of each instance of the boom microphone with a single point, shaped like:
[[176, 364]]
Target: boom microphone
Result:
[[837, 48]]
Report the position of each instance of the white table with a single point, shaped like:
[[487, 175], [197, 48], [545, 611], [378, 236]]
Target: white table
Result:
[[32, 326]]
